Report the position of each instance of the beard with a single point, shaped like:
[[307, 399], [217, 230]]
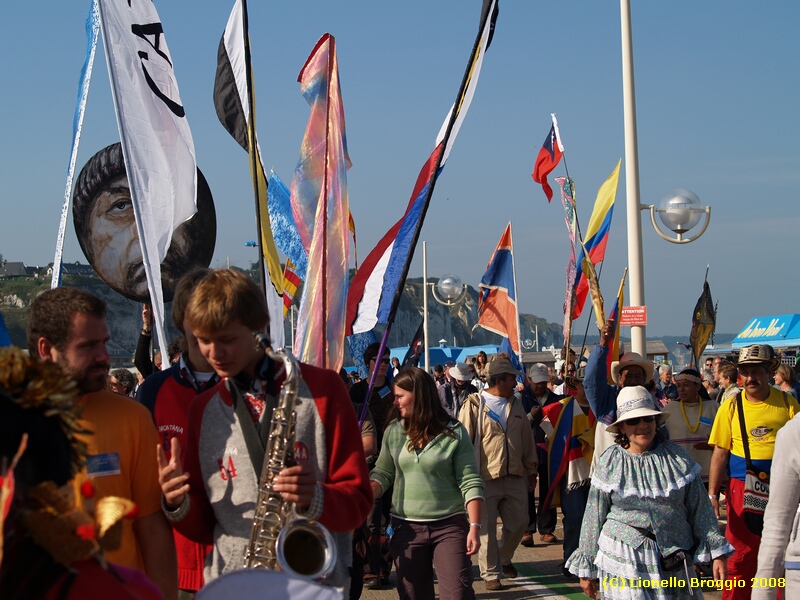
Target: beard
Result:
[[90, 379]]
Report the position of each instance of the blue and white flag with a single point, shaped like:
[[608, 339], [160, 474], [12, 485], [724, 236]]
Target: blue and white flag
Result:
[[92, 31]]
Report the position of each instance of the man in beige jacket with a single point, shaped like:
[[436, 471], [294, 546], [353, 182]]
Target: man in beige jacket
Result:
[[506, 454]]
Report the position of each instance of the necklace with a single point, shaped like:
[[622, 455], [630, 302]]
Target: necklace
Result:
[[699, 414]]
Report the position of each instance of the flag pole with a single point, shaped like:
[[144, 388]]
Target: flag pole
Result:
[[516, 297], [251, 142], [324, 204]]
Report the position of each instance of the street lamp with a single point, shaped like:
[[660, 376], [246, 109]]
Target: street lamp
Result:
[[680, 211], [449, 291]]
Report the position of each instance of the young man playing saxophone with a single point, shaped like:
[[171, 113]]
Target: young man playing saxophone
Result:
[[212, 498]]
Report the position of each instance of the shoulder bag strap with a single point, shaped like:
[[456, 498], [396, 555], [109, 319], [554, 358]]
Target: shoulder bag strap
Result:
[[478, 432], [745, 444]]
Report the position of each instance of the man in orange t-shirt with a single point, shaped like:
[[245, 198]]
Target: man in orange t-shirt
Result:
[[68, 326]]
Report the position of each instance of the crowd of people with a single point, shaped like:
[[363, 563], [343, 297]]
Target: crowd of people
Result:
[[404, 469]]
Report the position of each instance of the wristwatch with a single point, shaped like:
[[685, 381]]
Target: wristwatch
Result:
[[478, 525], [145, 331]]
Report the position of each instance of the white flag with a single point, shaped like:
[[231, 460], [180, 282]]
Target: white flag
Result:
[[156, 140]]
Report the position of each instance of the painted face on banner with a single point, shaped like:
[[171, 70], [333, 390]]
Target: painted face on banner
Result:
[[106, 227], [115, 244]]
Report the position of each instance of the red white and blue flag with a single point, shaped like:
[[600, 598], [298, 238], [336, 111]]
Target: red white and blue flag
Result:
[[376, 289], [548, 158], [497, 301]]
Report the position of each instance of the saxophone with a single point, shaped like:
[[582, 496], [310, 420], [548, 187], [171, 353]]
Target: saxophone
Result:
[[278, 541]]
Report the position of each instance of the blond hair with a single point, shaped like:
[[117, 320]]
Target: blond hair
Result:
[[223, 297]]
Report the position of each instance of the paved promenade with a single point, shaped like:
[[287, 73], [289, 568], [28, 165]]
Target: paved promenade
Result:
[[539, 577]]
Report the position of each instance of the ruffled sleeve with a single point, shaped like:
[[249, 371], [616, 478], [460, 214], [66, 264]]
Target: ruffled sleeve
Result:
[[581, 562]]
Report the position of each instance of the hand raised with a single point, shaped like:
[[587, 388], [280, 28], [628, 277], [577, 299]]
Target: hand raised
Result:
[[171, 477], [606, 332], [147, 317]]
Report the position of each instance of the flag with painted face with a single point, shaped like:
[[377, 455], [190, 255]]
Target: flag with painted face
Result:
[[156, 141]]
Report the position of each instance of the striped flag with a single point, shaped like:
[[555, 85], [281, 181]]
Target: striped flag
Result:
[[376, 289], [321, 212], [291, 281], [234, 100], [571, 218], [548, 158], [497, 301], [596, 237]]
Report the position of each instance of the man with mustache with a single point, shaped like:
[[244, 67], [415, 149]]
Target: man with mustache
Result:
[[766, 410], [68, 326]]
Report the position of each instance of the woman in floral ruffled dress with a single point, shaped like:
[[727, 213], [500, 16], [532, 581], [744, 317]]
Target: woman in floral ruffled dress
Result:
[[648, 518]]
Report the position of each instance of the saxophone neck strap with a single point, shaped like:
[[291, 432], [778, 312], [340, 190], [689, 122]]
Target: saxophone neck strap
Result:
[[255, 438]]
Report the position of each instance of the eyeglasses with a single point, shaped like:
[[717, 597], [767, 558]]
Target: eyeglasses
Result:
[[635, 420], [571, 372]]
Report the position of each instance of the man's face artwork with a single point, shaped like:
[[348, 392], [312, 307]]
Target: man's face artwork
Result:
[[107, 232], [115, 241]]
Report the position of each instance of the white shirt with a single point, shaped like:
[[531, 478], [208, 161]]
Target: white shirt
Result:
[[498, 406]]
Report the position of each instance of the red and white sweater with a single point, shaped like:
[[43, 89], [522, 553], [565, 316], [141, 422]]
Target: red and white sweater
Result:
[[223, 484]]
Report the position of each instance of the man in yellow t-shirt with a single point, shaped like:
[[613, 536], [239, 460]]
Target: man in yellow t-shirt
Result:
[[766, 410], [68, 326]]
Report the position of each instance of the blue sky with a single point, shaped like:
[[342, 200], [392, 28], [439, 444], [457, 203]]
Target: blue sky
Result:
[[717, 86]]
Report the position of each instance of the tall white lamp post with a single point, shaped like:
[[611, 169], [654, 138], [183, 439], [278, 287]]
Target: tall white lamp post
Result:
[[449, 291], [680, 211]]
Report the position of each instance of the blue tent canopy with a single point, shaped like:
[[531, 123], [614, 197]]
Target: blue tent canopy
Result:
[[781, 331], [439, 355]]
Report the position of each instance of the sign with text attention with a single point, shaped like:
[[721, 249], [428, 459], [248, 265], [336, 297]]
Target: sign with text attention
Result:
[[633, 316]]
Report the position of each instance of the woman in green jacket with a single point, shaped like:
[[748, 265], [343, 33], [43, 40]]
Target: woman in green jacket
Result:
[[438, 492]]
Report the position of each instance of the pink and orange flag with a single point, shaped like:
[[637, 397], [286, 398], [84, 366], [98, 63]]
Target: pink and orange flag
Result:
[[321, 211]]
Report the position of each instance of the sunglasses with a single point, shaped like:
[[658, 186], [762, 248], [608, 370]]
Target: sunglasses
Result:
[[635, 420], [384, 361]]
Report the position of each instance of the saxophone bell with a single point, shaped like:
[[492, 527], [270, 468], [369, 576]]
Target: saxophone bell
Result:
[[306, 548], [278, 540]]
